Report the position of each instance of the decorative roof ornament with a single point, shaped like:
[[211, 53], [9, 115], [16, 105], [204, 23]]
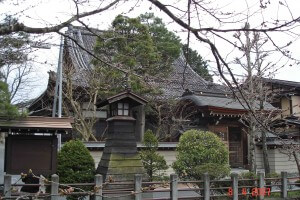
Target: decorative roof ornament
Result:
[[187, 92]]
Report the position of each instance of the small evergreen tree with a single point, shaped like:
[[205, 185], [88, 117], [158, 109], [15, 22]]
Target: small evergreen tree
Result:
[[75, 164], [200, 152], [6, 108], [152, 161]]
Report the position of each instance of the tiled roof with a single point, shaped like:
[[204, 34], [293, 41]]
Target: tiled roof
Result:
[[221, 102], [283, 83], [171, 86], [37, 124]]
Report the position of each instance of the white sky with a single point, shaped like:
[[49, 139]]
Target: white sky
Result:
[[39, 13]]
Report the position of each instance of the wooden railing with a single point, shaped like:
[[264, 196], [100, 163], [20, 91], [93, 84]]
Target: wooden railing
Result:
[[206, 189]]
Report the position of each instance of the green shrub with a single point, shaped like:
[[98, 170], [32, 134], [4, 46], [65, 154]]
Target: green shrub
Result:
[[248, 175], [75, 164], [152, 161], [200, 152], [273, 175], [291, 194]]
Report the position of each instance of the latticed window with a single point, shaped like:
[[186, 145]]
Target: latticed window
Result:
[[120, 109]]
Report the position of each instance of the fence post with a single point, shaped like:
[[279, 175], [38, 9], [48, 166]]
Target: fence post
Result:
[[173, 186], [261, 184], [98, 187], [54, 187], [138, 186], [206, 185], [235, 186], [42, 184], [283, 185], [7, 185]]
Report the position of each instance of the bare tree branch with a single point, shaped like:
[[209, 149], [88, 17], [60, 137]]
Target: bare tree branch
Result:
[[6, 29]]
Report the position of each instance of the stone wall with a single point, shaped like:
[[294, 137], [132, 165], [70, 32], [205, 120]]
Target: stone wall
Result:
[[169, 155]]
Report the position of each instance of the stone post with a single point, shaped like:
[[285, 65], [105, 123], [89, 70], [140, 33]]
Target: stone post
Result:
[[235, 186], [98, 187], [206, 184], [261, 184], [54, 187], [173, 186], [138, 186], [7, 185], [284, 185]]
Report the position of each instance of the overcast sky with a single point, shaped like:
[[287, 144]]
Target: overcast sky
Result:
[[39, 13]]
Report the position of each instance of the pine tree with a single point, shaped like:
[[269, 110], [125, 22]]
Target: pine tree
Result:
[[197, 63], [152, 161]]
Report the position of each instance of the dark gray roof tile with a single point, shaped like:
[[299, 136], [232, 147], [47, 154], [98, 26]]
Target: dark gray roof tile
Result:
[[221, 102]]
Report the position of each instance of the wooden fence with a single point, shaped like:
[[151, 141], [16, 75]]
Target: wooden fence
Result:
[[206, 189]]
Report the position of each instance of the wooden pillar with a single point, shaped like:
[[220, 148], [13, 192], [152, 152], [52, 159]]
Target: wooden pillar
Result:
[[140, 123]]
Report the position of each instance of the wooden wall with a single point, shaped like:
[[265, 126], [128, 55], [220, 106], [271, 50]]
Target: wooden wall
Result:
[[278, 161], [221, 131]]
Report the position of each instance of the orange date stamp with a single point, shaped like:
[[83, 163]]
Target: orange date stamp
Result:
[[253, 192]]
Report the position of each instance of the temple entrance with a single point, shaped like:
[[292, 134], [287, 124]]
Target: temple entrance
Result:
[[235, 147]]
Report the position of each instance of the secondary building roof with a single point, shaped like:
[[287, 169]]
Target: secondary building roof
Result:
[[36, 125], [123, 95], [222, 102], [279, 82]]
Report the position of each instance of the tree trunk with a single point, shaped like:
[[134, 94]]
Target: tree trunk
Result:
[[265, 152], [252, 157], [252, 160], [297, 161]]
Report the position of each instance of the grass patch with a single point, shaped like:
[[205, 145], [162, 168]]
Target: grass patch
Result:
[[291, 194]]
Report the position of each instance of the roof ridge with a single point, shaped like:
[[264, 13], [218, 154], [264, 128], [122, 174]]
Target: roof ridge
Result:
[[274, 79]]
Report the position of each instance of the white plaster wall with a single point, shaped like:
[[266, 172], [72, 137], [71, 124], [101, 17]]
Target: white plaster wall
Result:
[[96, 156], [296, 105], [278, 161], [170, 157], [285, 106]]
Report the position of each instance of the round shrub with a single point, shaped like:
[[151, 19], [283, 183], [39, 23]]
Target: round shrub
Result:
[[199, 152], [75, 163]]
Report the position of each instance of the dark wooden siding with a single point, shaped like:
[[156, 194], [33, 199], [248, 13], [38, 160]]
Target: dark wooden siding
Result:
[[37, 153]]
